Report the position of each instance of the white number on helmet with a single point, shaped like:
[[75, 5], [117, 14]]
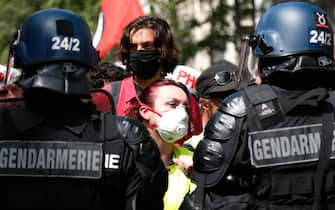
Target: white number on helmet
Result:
[[65, 43], [321, 37]]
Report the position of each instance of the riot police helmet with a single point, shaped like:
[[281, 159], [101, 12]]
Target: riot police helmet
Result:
[[293, 36], [55, 51]]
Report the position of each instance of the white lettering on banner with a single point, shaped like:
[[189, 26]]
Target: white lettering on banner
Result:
[[187, 78], [65, 43], [286, 145]]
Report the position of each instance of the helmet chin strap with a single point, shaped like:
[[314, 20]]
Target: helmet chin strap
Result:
[[68, 69]]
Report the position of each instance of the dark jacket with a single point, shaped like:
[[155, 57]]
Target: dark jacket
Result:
[[63, 154], [262, 150]]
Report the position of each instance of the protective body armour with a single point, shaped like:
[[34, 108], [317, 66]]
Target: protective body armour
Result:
[[56, 162], [284, 143]]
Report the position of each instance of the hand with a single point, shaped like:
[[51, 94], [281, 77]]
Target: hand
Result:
[[185, 163]]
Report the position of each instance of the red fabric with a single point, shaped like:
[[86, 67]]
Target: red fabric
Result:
[[117, 14], [101, 101], [127, 94], [195, 115], [196, 122]]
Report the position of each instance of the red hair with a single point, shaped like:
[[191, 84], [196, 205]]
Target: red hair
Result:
[[148, 96]]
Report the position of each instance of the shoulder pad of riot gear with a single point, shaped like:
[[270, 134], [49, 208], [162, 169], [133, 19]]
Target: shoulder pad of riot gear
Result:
[[214, 153], [146, 152], [222, 124], [220, 127], [234, 105], [126, 128]]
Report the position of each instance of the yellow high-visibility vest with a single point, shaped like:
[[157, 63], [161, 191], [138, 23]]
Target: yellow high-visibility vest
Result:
[[178, 184]]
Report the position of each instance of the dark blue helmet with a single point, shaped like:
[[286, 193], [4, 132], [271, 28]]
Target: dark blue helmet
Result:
[[55, 51], [293, 28], [55, 35]]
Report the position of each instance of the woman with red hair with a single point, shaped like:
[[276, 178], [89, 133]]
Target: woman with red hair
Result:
[[164, 110]]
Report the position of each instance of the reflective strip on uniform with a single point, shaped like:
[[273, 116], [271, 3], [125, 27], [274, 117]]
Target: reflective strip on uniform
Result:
[[51, 159], [286, 145]]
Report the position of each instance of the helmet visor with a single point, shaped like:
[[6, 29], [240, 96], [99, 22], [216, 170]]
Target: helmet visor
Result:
[[248, 63]]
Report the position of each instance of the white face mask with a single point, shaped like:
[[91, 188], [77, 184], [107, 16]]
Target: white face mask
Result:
[[173, 125]]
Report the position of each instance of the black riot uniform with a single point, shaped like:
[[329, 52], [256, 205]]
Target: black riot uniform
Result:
[[70, 156], [271, 146], [260, 152], [56, 150]]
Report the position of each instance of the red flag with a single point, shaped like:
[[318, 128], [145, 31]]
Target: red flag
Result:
[[113, 17]]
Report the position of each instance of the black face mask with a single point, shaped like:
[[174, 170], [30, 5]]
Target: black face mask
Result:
[[144, 63]]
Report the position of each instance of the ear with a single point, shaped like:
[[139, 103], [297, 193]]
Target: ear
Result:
[[144, 112], [205, 105]]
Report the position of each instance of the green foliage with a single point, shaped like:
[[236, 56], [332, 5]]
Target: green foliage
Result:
[[223, 28], [225, 19], [180, 25]]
